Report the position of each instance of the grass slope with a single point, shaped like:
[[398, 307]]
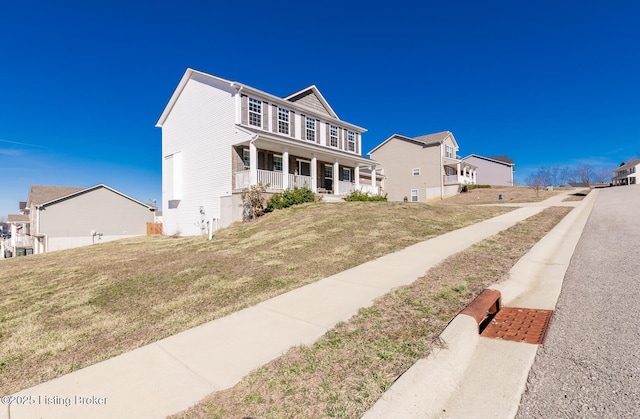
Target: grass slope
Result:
[[65, 310], [347, 370]]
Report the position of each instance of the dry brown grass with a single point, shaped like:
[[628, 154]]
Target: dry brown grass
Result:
[[345, 372], [66, 310], [578, 195], [510, 195]]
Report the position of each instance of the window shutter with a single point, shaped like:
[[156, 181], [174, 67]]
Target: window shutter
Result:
[[292, 124], [274, 118], [328, 134], [317, 131], [244, 110], [341, 139], [265, 116]]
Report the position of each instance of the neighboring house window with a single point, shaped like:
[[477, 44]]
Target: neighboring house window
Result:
[[311, 129], [351, 141], [333, 136], [246, 158], [448, 151], [449, 171], [414, 195], [255, 112], [277, 163], [346, 175], [283, 121], [416, 172]]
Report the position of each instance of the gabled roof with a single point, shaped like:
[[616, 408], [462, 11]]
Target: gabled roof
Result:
[[632, 163], [423, 140], [42, 196], [39, 194], [496, 159], [287, 101], [17, 218], [312, 93], [82, 191]]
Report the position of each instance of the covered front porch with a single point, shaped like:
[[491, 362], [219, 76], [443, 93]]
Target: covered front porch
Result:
[[457, 172], [284, 164]]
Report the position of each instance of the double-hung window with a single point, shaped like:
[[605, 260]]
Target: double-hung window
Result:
[[351, 141], [333, 136], [346, 174], [448, 151], [246, 158], [277, 163], [283, 121], [414, 195], [416, 172], [255, 112], [311, 129]]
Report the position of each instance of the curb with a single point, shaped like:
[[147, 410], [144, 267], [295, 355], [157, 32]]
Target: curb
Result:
[[536, 279]]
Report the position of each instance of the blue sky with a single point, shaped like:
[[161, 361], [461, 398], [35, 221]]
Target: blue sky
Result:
[[82, 84]]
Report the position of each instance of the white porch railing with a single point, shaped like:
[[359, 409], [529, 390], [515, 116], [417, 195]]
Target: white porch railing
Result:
[[370, 189], [275, 181], [457, 180], [300, 181], [21, 240]]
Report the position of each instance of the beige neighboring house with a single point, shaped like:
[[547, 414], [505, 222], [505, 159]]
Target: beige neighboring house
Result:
[[495, 171], [60, 217], [627, 174], [422, 169]]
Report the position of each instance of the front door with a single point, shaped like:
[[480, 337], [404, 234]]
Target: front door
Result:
[[328, 177]]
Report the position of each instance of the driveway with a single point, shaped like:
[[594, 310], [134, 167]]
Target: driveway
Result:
[[590, 363]]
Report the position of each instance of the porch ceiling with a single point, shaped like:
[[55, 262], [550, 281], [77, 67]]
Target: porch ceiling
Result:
[[306, 150]]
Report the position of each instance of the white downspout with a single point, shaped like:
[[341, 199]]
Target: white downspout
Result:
[[441, 172]]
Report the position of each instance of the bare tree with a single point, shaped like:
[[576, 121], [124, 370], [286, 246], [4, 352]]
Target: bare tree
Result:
[[535, 182], [585, 173], [603, 175]]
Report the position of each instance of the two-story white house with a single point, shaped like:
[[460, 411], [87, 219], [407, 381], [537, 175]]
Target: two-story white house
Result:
[[627, 174], [220, 137]]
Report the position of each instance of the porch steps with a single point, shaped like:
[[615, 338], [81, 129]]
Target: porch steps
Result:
[[332, 198]]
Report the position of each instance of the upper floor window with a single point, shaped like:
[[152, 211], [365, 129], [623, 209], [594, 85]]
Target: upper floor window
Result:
[[333, 136], [311, 129], [416, 172], [448, 151], [283, 121], [351, 141], [255, 112]]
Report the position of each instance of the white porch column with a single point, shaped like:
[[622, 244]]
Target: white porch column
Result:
[[336, 183], [458, 169], [285, 169], [253, 163], [356, 175], [314, 173], [373, 176]]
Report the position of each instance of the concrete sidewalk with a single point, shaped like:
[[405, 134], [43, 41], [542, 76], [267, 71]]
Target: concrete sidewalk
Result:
[[175, 373], [477, 377]]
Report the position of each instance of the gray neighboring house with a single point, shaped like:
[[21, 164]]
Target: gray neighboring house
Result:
[[495, 171], [59, 217], [422, 169]]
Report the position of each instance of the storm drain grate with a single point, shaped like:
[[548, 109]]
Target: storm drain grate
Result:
[[519, 324]]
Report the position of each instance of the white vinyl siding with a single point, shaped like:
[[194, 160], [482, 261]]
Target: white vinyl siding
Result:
[[205, 145]]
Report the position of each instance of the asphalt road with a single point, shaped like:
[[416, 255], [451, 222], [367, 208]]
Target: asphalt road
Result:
[[589, 366]]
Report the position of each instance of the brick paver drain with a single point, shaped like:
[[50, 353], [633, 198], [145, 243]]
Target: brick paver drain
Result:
[[519, 324]]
